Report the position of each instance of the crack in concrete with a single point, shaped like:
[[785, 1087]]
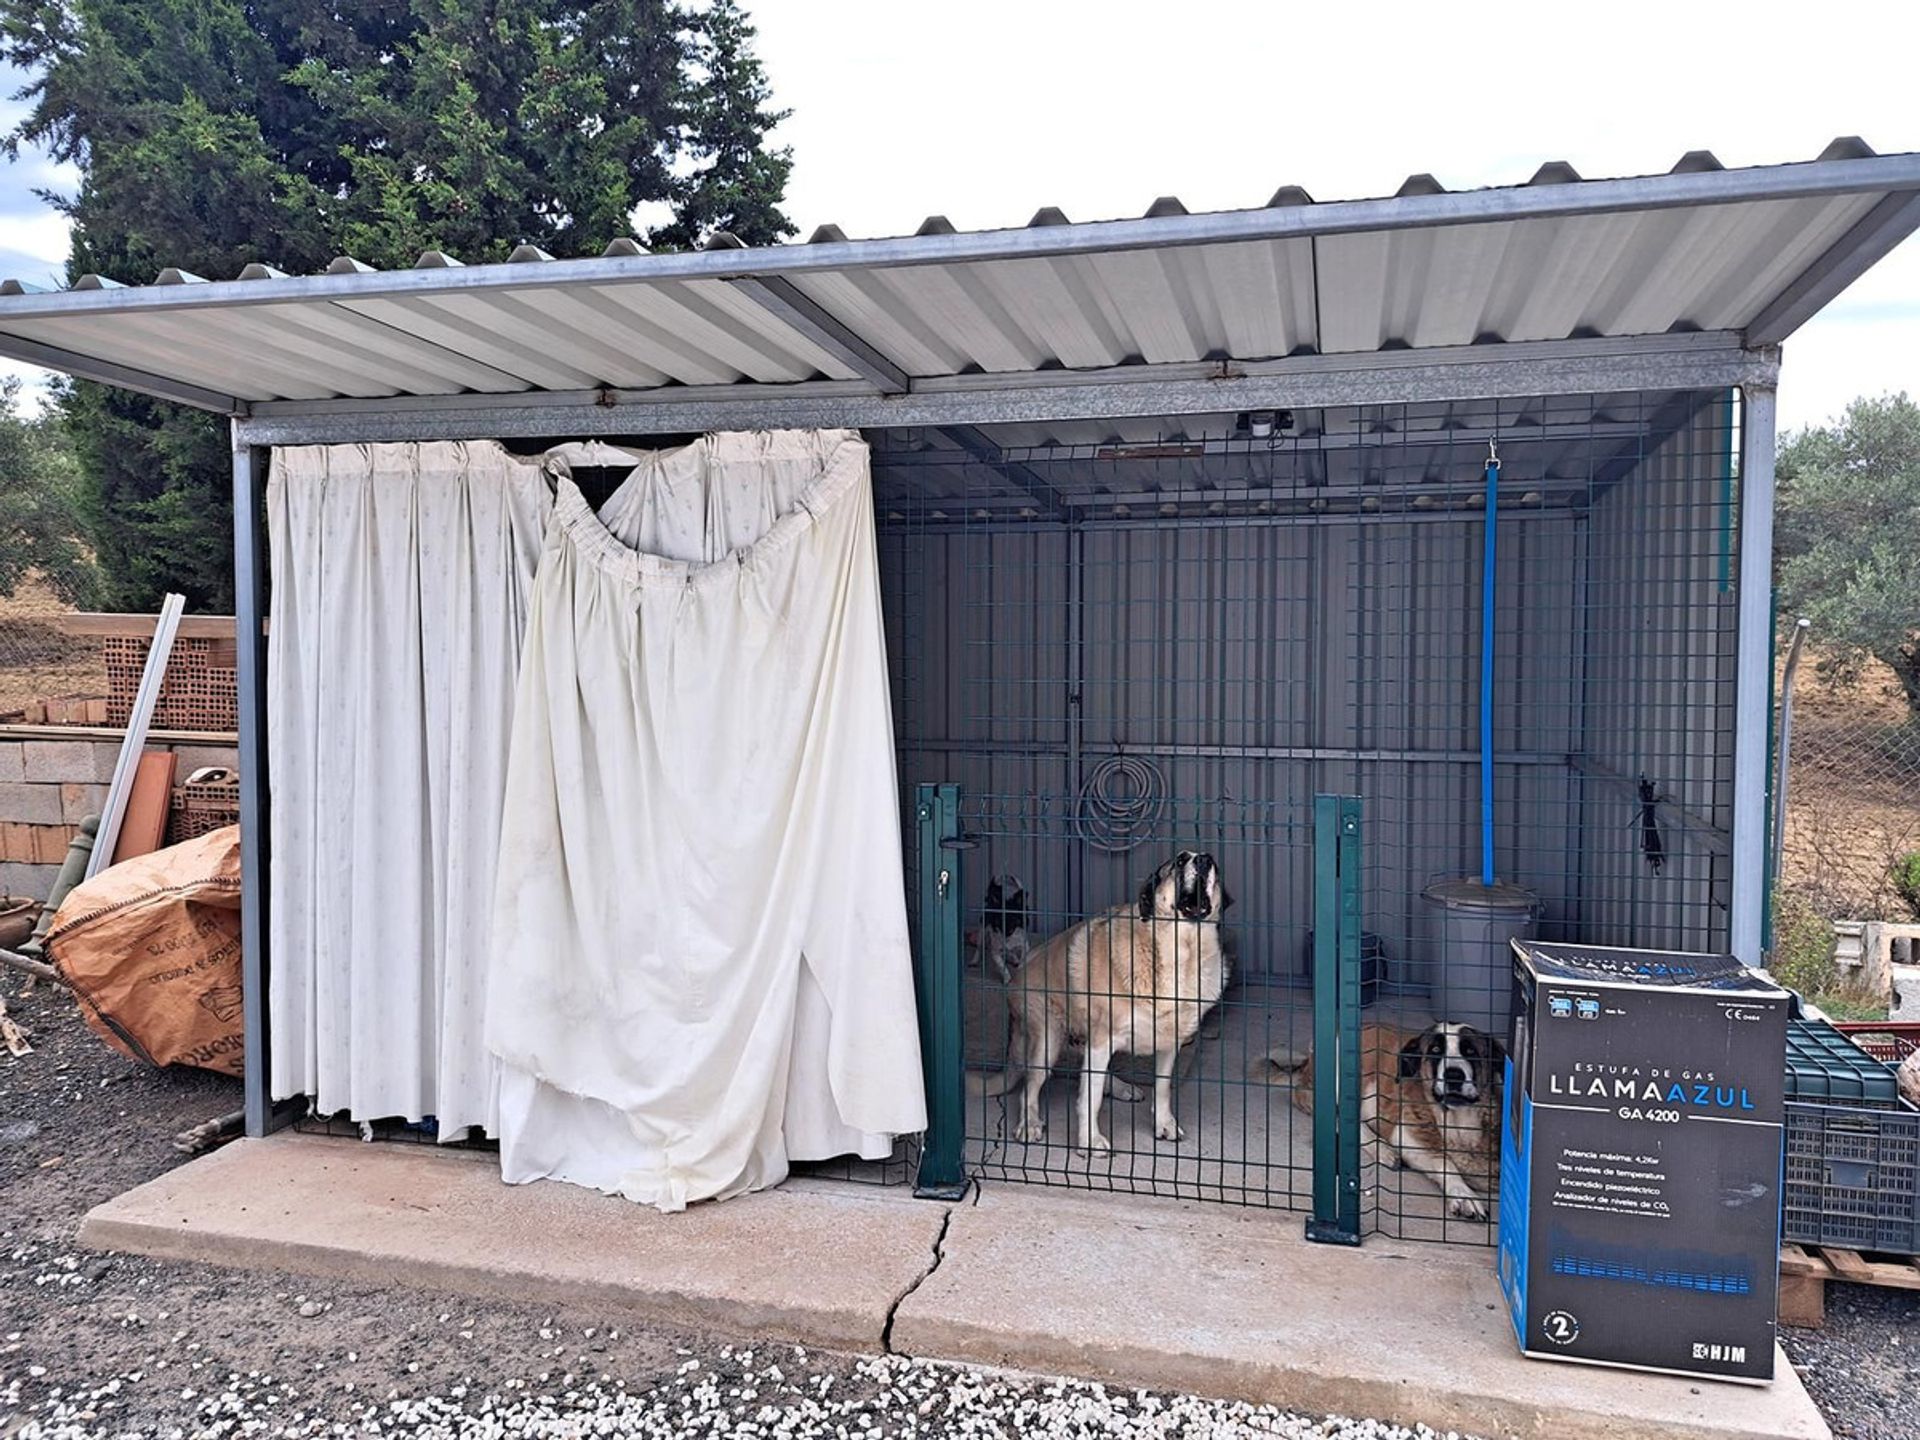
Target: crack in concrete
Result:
[[933, 1264]]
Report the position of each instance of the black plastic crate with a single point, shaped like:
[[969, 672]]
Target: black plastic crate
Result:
[[1825, 1067], [1377, 974], [1852, 1177]]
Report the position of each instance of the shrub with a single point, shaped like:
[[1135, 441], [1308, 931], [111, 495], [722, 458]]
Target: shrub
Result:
[[1802, 946], [1905, 873]]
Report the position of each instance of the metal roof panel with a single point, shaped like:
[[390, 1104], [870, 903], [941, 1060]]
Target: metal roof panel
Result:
[[1557, 259]]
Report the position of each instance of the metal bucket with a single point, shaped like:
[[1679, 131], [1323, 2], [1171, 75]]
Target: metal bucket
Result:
[[1469, 928]]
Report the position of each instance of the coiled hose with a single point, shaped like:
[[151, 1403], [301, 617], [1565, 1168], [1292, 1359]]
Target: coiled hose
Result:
[[1120, 803]]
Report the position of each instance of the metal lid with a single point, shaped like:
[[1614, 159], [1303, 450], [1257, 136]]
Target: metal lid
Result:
[[1465, 893]]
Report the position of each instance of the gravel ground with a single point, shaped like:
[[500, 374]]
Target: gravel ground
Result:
[[94, 1345], [1863, 1369]]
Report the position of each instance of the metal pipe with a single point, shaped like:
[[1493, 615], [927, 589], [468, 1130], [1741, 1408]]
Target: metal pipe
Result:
[[1321, 753], [1159, 525], [1785, 749], [1076, 697], [1489, 556], [1753, 693]]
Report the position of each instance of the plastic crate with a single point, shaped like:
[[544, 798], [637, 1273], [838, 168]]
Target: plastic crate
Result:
[[1852, 1178], [1887, 1040], [1825, 1067], [1376, 972]]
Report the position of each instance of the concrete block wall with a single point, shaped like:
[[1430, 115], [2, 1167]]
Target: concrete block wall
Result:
[[48, 786]]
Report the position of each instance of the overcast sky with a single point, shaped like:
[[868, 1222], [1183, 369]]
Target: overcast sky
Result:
[[985, 111]]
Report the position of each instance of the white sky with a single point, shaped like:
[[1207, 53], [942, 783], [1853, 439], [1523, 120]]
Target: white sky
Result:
[[986, 110]]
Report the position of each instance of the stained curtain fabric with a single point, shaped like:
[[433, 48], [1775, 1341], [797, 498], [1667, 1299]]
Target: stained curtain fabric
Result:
[[401, 576], [700, 963]]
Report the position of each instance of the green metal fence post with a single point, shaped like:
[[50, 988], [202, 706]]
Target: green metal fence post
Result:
[[1336, 1020], [937, 985]]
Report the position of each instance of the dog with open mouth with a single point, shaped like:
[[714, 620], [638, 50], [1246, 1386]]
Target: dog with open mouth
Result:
[[1432, 1097], [1137, 980]]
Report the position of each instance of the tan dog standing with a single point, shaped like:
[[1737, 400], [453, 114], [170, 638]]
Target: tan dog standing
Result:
[[1136, 980]]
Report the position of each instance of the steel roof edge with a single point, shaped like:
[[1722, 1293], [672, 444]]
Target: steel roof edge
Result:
[[1615, 365], [1880, 174]]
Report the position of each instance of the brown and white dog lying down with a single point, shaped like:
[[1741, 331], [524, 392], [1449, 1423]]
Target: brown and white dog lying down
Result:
[[1433, 1098], [1136, 980]]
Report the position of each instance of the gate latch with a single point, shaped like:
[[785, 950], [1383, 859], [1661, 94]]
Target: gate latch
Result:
[[940, 885]]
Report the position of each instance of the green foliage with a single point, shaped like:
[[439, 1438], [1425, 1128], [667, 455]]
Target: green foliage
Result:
[[212, 133], [39, 503], [1848, 533], [1905, 873], [1802, 946]]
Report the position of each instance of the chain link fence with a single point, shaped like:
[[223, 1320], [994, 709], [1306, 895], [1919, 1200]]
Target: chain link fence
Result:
[[1851, 846], [38, 661]]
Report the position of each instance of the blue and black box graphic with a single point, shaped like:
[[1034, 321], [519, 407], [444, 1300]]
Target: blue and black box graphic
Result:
[[1640, 1159]]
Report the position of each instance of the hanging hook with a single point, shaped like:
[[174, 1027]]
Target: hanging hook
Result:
[[1493, 451]]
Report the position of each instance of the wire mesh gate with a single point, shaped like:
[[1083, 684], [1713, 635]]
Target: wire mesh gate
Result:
[[1225, 1090], [1130, 639]]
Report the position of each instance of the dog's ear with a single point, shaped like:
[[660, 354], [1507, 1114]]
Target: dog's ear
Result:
[[1146, 895], [995, 898], [1411, 1054]]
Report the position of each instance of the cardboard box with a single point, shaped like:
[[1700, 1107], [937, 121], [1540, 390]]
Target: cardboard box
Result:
[[1640, 1160]]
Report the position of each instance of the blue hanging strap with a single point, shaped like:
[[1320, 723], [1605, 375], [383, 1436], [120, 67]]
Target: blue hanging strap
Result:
[[1487, 576]]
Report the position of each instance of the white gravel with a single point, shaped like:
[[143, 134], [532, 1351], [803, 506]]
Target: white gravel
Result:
[[765, 1394]]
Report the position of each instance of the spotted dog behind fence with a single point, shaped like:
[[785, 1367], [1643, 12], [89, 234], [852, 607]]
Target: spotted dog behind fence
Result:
[[1432, 1097]]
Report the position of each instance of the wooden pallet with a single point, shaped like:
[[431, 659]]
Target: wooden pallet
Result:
[[1806, 1269]]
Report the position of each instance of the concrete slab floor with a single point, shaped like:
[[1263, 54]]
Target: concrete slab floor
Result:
[[811, 1262], [1235, 1303], [1213, 1299]]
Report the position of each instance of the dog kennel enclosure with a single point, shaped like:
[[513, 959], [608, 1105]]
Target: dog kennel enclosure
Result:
[[1182, 532]]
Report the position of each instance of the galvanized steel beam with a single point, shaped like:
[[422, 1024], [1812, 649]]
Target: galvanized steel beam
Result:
[[787, 303], [1753, 682], [1030, 482], [1856, 252], [1468, 372], [52, 357], [1817, 179]]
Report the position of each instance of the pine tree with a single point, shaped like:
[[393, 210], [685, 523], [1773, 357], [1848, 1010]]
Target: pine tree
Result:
[[212, 133]]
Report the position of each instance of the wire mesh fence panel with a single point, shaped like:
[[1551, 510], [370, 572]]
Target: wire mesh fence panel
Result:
[[1132, 641], [39, 661], [1851, 847]]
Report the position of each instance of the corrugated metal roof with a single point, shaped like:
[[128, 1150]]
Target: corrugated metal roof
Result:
[[1749, 252]]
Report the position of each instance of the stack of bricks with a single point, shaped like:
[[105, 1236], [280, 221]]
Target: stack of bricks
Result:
[[47, 787], [201, 690]]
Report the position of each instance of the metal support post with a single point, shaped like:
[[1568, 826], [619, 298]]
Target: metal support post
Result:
[[249, 617], [1753, 685], [937, 986], [1336, 1020]]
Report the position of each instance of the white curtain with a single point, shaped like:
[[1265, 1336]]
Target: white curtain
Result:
[[400, 581], [700, 965], [702, 969]]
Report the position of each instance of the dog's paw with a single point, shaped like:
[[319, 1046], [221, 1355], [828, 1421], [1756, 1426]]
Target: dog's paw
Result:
[[1097, 1144], [1030, 1132], [1124, 1090], [1169, 1130], [1468, 1207]]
